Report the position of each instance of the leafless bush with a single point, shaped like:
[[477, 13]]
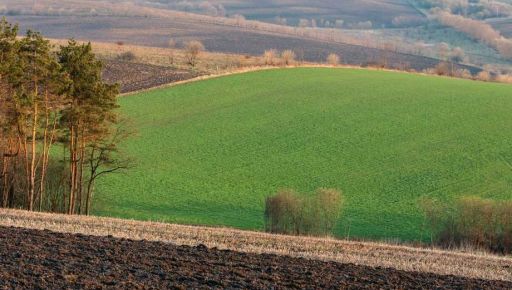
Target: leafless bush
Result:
[[471, 221], [504, 78], [282, 212], [288, 57], [443, 69], [127, 56], [269, 56], [483, 76], [462, 73], [290, 213], [192, 50], [333, 59], [458, 55]]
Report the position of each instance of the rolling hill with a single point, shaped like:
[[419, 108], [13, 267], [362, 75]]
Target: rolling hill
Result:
[[131, 23], [209, 152], [380, 12]]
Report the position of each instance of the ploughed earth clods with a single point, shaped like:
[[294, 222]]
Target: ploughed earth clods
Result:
[[136, 76], [32, 259]]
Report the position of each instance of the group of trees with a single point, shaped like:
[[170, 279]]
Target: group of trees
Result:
[[470, 221], [477, 30], [288, 212], [477, 9], [59, 128]]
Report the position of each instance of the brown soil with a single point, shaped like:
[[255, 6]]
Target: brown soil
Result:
[[32, 259], [136, 76]]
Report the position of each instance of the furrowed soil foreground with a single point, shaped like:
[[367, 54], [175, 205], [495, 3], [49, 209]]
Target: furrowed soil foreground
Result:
[[42, 259]]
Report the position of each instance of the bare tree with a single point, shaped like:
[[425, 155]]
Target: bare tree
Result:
[[458, 55], [333, 59], [443, 50], [192, 51], [288, 56]]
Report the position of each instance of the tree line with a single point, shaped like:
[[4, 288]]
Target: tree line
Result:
[[59, 128]]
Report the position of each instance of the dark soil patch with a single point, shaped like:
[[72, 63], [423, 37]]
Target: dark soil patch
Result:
[[136, 76], [32, 259]]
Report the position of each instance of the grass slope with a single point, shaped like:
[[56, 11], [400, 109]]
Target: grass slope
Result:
[[209, 152]]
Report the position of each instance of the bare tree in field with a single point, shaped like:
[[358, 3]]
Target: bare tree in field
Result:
[[104, 157], [443, 50], [288, 57], [333, 59], [457, 55], [269, 56], [192, 51]]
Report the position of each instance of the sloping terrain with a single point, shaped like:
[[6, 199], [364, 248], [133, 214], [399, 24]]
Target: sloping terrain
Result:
[[129, 23], [209, 152], [42, 259], [503, 25], [157, 32], [379, 12], [470, 264], [136, 76]]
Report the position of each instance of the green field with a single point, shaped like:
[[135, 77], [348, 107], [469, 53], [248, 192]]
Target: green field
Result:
[[209, 152]]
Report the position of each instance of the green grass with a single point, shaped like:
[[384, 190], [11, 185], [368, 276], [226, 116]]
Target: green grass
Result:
[[209, 152]]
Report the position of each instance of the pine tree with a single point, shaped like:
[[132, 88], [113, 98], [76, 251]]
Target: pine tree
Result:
[[88, 116]]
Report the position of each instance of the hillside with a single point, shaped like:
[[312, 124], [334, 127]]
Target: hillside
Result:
[[105, 21], [209, 152], [380, 13], [102, 239]]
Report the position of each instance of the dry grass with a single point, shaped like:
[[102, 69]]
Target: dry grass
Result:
[[207, 62], [475, 265]]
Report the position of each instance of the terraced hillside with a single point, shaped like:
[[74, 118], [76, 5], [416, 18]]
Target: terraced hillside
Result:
[[209, 152]]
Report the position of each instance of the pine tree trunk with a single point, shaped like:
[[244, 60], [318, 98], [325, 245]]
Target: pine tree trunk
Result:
[[32, 183]]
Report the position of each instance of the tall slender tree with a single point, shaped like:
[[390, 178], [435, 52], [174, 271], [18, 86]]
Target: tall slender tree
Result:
[[8, 146], [89, 113], [33, 81]]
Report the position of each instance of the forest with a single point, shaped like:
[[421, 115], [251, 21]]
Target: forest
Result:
[[59, 128]]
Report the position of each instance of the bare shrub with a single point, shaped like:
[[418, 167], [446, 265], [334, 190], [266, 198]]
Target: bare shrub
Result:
[[288, 57], [504, 78], [326, 206], [471, 222], [483, 76], [462, 73], [269, 56], [442, 69], [282, 212], [192, 51], [333, 59], [127, 56], [458, 55], [287, 212]]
